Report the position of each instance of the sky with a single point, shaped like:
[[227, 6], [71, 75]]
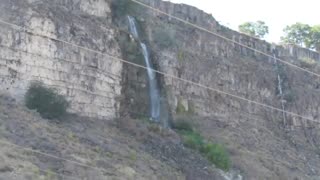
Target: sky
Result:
[[276, 13]]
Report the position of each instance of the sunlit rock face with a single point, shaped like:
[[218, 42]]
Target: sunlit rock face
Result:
[[253, 133], [90, 81], [261, 146]]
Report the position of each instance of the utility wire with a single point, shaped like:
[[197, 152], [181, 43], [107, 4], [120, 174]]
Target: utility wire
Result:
[[223, 37], [52, 156], [127, 32], [159, 72], [115, 76], [49, 172], [197, 84]]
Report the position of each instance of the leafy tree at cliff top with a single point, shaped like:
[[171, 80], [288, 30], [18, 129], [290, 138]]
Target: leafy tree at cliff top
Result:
[[314, 39], [258, 29], [303, 35], [297, 33]]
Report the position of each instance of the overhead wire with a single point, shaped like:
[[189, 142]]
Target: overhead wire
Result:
[[159, 72], [174, 67], [63, 176], [223, 37], [53, 156], [114, 76]]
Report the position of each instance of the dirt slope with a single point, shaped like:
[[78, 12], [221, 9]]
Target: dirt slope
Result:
[[98, 149]]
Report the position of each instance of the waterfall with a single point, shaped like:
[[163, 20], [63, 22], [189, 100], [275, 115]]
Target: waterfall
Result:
[[153, 87], [133, 27], [280, 90], [152, 80]]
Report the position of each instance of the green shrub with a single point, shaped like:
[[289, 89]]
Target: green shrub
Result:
[[48, 103], [308, 63], [191, 108], [289, 96], [180, 55], [180, 108], [121, 8], [165, 37], [154, 128], [217, 154], [130, 49], [133, 155], [193, 140], [182, 125]]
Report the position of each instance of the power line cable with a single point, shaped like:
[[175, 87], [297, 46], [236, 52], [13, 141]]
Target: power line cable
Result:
[[161, 73], [114, 76], [225, 38], [53, 156], [63, 176]]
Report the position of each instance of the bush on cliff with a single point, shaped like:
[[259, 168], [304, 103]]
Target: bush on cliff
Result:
[[46, 101], [215, 153], [122, 8], [308, 63], [164, 37], [182, 125]]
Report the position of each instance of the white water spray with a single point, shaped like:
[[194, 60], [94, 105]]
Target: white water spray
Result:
[[153, 85]]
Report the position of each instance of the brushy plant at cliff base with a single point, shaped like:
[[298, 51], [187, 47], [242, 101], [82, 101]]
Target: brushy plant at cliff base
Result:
[[46, 101], [215, 153], [193, 140], [180, 108], [182, 126]]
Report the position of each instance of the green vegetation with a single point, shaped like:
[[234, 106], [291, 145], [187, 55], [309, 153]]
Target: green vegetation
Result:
[[49, 104], [121, 8], [180, 108], [215, 153], [156, 128], [257, 29], [191, 108], [308, 63], [180, 55], [164, 37], [133, 155], [303, 35], [193, 140], [50, 175], [289, 96], [130, 49], [296, 34], [314, 39], [182, 125]]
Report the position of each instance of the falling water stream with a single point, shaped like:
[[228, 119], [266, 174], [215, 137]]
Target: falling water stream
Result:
[[153, 85], [280, 90], [154, 92]]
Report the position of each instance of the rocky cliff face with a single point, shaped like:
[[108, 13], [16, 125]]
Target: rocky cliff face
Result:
[[90, 81], [263, 144]]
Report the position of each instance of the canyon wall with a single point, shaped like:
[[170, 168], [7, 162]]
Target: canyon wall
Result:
[[90, 81], [263, 143]]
